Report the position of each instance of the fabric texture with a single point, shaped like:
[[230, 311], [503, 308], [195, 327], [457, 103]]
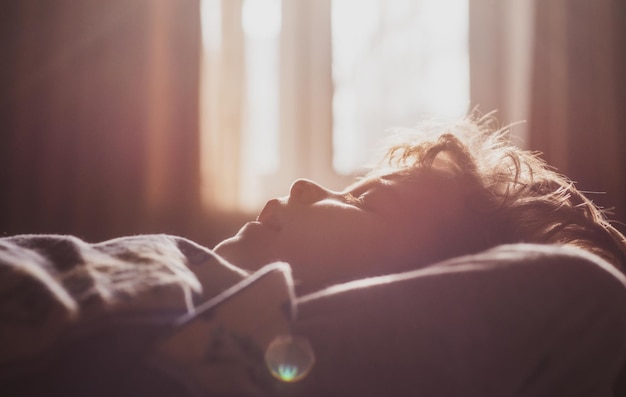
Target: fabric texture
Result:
[[159, 315], [151, 314], [518, 320]]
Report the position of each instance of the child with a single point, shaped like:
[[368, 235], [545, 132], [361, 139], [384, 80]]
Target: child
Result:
[[160, 315], [443, 191]]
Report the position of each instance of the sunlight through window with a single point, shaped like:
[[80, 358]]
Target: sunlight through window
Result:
[[308, 88], [261, 22], [395, 62]]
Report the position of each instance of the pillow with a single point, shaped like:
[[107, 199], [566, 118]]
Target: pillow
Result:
[[517, 320]]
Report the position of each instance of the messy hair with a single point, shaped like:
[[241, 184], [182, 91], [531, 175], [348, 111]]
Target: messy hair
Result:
[[517, 194]]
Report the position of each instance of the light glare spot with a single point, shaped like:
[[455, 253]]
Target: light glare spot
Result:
[[289, 358], [261, 19], [287, 372]]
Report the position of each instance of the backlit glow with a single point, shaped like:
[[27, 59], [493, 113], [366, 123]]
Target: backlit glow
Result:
[[261, 23], [395, 62], [261, 19]]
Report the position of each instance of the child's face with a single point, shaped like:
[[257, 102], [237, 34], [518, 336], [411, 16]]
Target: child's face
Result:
[[376, 226]]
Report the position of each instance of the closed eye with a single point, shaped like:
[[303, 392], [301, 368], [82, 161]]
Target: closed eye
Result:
[[358, 199], [361, 192], [352, 199]]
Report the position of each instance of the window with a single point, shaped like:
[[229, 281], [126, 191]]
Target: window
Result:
[[306, 88], [394, 63]]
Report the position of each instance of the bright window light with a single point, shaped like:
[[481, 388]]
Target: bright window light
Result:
[[261, 23], [211, 14], [261, 19], [395, 62]]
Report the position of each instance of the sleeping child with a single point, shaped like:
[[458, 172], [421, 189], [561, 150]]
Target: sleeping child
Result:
[[459, 265]]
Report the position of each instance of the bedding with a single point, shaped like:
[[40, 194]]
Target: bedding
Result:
[[516, 320], [122, 317], [160, 315]]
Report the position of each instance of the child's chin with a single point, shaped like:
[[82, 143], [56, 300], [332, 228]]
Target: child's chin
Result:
[[246, 250]]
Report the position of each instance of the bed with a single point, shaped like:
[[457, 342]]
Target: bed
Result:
[[161, 315]]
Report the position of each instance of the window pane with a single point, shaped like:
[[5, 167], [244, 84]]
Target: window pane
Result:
[[261, 23], [395, 62]]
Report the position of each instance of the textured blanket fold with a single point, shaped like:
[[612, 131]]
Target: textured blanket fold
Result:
[[115, 306]]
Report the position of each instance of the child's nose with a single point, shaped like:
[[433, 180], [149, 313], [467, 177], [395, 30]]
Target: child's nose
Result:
[[306, 191]]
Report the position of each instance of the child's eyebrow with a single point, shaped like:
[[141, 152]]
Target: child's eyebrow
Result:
[[364, 184]]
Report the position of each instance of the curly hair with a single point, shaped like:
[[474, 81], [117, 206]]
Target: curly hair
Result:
[[519, 197]]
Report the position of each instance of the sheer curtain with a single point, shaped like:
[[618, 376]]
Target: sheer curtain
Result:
[[578, 100], [99, 117], [302, 95], [501, 50], [221, 102], [558, 65]]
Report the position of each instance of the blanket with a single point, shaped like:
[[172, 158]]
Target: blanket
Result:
[[144, 314], [159, 315]]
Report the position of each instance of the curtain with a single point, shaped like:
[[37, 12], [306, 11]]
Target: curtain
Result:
[[501, 43], [99, 117], [559, 66], [578, 117], [222, 103]]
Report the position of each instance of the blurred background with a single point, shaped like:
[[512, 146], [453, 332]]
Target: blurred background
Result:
[[120, 117]]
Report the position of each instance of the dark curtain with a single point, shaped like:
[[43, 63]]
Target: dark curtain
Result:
[[578, 102], [99, 117]]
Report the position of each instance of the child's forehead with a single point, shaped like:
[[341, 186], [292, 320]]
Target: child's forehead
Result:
[[412, 176], [377, 179]]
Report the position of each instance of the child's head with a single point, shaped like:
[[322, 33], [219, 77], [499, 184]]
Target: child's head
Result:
[[519, 197], [441, 191]]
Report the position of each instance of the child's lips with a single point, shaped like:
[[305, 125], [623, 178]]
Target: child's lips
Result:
[[268, 215]]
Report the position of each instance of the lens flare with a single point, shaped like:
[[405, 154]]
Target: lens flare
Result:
[[289, 358]]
